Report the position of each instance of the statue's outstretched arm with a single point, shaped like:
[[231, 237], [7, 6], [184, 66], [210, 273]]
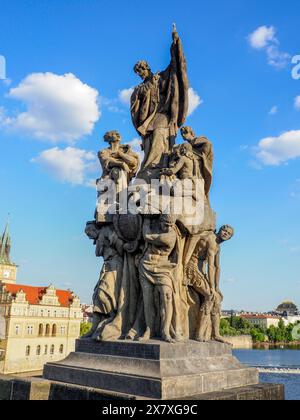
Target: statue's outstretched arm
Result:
[[174, 47]]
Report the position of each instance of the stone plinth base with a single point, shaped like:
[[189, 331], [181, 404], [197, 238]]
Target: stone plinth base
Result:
[[38, 389], [154, 370]]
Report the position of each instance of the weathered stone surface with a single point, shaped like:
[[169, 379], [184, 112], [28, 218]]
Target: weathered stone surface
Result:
[[153, 369], [261, 392], [57, 392], [5, 388]]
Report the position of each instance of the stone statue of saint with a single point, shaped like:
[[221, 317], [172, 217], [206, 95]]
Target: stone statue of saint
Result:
[[117, 158], [106, 294], [203, 274], [183, 165], [161, 272], [156, 271], [203, 151], [119, 164], [159, 107]]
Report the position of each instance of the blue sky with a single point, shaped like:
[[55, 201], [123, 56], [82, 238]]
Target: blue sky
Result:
[[69, 65]]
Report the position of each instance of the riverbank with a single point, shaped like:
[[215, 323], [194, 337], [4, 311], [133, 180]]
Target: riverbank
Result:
[[295, 345]]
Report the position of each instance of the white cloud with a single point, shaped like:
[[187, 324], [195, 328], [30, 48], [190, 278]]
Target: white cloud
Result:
[[297, 103], [125, 95], [278, 150], [58, 108], [264, 38], [194, 101], [135, 144], [136, 147], [4, 119], [231, 280], [70, 165], [112, 105], [277, 58], [273, 110], [244, 147]]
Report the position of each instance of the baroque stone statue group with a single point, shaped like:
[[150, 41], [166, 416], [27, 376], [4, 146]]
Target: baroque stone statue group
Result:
[[160, 277]]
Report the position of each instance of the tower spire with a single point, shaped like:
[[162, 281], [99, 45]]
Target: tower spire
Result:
[[5, 244]]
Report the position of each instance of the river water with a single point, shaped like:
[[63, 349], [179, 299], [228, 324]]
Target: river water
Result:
[[274, 360]]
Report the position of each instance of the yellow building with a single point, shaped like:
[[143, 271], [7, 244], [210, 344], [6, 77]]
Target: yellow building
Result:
[[37, 324]]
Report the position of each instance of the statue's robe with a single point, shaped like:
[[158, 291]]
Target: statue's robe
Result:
[[159, 107], [128, 303], [107, 290], [203, 150]]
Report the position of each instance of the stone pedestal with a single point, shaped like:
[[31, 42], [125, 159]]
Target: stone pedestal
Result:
[[154, 370]]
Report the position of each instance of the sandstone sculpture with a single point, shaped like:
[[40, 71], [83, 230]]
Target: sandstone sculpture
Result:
[[159, 107], [160, 277], [157, 303]]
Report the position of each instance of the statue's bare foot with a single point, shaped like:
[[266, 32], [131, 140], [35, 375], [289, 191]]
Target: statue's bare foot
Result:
[[180, 339], [220, 339], [146, 336], [200, 340], [168, 339]]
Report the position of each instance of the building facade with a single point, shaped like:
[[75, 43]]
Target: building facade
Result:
[[37, 324], [260, 320], [87, 313]]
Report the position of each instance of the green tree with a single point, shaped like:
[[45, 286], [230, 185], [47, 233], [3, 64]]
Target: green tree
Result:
[[272, 333], [257, 336], [226, 329], [85, 328]]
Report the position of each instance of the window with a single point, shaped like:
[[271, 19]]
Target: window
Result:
[[30, 330], [27, 351], [41, 330], [38, 350], [52, 349], [63, 330], [42, 312], [61, 349], [47, 330], [17, 329], [46, 350], [54, 330]]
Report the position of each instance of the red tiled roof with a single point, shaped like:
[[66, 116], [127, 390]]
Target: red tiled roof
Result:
[[35, 294]]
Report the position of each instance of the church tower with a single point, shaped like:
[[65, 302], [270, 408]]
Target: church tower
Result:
[[8, 270]]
